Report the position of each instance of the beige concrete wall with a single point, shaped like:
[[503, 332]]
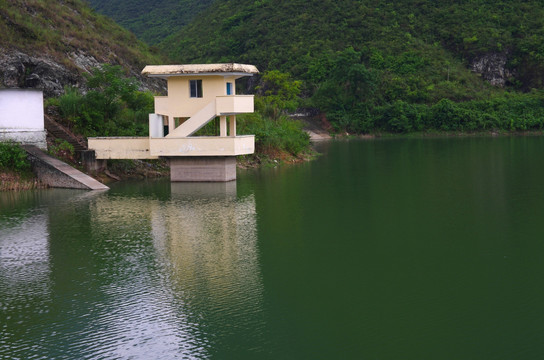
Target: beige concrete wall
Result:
[[121, 148], [182, 105], [161, 105], [146, 148], [203, 146]]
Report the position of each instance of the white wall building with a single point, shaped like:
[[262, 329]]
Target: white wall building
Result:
[[21, 117]]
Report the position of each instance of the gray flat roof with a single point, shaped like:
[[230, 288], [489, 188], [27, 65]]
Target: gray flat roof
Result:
[[199, 69]]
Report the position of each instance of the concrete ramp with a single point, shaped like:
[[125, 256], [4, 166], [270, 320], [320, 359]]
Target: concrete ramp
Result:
[[56, 173]]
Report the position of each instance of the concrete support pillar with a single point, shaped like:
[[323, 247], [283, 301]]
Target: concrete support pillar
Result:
[[156, 127], [203, 168], [171, 124], [90, 163], [223, 126], [232, 125]]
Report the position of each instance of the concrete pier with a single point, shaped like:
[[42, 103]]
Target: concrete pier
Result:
[[200, 168]]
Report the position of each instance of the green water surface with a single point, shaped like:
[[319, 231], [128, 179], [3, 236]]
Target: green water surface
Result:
[[379, 249]]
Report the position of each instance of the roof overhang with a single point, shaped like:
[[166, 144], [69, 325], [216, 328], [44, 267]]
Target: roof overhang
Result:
[[228, 69]]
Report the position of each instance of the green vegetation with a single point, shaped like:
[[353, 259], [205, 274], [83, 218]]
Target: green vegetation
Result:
[[15, 169], [112, 106], [271, 136], [274, 131], [362, 100], [60, 30], [63, 150], [509, 112], [279, 94], [13, 157], [151, 21], [407, 37], [376, 65]]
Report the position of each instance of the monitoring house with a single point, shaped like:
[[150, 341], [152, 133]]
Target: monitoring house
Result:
[[197, 94]]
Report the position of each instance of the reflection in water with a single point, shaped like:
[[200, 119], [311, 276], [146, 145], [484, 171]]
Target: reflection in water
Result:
[[119, 275], [210, 238], [26, 278], [24, 265]]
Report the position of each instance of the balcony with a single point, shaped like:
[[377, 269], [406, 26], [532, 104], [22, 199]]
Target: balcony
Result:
[[233, 104]]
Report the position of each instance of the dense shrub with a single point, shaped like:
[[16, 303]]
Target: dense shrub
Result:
[[281, 134], [13, 157], [400, 117], [508, 112], [112, 106]]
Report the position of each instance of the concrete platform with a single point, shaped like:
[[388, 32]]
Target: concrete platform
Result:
[[153, 148]]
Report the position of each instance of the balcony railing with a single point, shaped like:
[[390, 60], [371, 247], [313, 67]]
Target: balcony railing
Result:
[[161, 105], [233, 104]]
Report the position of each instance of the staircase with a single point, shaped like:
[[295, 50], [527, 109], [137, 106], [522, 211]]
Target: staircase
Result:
[[60, 132], [195, 122]]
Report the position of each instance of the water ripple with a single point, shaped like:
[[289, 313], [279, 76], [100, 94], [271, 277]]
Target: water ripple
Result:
[[124, 277]]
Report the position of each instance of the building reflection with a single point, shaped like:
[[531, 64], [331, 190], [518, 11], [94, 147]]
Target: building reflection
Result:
[[158, 274], [203, 246], [209, 236]]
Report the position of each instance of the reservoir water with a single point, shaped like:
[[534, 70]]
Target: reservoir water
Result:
[[379, 249]]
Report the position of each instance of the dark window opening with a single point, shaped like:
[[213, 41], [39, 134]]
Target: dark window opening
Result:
[[196, 88]]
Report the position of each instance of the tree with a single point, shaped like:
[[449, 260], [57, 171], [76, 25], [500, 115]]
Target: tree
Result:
[[348, 91], [279, 93]]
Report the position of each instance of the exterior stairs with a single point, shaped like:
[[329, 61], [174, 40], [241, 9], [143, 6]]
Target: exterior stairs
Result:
[[195, 122], [60, 132]]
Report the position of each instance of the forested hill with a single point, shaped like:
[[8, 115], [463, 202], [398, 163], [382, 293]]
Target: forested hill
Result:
[[151, 20], [369, 63], [50, 44], [289, 35]]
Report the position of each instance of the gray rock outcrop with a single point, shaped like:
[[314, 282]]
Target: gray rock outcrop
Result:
[[20, 70], [493, 68]]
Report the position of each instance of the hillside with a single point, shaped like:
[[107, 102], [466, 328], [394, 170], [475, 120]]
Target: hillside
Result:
[[426, 50], [368, 63], [288, 35], [153, 20], [49, 44]]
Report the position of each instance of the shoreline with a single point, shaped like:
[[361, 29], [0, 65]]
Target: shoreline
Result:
[[438, 134], [12, 181]]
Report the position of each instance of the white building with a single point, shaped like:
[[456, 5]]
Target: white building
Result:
[[21, 117]]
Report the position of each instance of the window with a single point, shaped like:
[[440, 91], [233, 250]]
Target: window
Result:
[[195, 88], [230, 89]]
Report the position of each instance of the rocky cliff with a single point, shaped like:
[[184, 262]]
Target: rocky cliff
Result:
[[50, 45], [21, 70]]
